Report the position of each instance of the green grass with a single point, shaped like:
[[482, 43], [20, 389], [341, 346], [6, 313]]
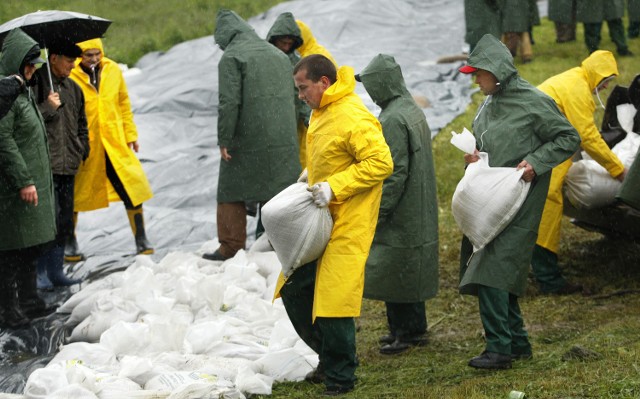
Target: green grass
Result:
[[608, 326]]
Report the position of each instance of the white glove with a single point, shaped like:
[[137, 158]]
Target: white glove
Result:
[[304, 177], [322, 194]]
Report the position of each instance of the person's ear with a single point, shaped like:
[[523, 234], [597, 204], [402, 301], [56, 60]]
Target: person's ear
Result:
[[325, 82]]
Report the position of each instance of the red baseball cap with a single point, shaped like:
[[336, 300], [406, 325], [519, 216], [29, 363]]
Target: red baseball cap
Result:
[[467, 69]]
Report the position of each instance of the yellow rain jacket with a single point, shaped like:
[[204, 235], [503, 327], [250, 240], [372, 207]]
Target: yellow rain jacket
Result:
[[572, 91], [310, 45], [111, 128], [346, 148]]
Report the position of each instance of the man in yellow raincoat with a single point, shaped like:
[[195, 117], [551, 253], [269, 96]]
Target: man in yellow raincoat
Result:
[[573, 91], [347, 162], [112, 172]]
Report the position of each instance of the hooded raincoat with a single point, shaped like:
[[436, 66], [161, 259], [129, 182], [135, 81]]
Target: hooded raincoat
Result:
[[481, 17], [111, 128], [256, 114], [285, 25], [594, 11], [310, 45], [518, 122], [403, 262], [346, 148], [573, 93], [24, 159]]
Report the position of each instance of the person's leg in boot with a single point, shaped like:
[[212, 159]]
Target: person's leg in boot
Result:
[[30, 303], [633, 31], [297, 296], [136, 220], [616, 32], [408, 324], [231, 219], [338, 353], [520, 345], [526, 49], [512, 41], [42, 279], [592, 35], [494, 313], [71, 250], [10, 314], [544, 264]]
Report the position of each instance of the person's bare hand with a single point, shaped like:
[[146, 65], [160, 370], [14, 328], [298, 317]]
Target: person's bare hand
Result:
[[622, 175], [29, 194], [225, 154], [529, 174], [471, 158], [134, 145], [54, 99]]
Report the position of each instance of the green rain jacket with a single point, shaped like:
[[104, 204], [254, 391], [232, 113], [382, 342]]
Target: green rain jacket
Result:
[[256, 114], [594, 11], [518, 15], [516, 123], [24, 160], [562, 11], [403, 262], [481, 17]]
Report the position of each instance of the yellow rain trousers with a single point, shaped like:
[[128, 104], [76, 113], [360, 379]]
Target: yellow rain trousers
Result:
[[572, 91], [346, 148], [111, 128]]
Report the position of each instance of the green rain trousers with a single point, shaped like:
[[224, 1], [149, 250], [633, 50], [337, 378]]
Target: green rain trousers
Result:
[[406, 319], [544, 264], [332, 338]]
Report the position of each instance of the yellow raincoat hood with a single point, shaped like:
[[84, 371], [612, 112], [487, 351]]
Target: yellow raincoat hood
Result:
[[598, 66], [310, 45]]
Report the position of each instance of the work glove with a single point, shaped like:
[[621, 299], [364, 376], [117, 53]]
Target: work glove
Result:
[[322, 194], [304, 177]]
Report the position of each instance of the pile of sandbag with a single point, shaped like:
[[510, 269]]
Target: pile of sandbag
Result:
[[182, 328], [588, 185]]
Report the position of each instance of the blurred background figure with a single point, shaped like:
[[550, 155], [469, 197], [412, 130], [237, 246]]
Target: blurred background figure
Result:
[[517, 20], [563, 15], [633, 13], [481, 17], [592, 13]]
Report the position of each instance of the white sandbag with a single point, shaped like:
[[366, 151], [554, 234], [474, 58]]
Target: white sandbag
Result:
[[111, 281], [125, 337], [284, 365], [588, 185], [464, 141], [168, 382], [486, 200], [83, 309], [109, 310], [253, 383], [201, 337], [91, 355], [42, 383], [73, 391], [298, 230]]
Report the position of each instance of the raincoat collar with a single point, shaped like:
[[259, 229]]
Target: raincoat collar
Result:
[[598, 66], [285, 25], [228, 25], [14, 48], [492, 55], [345, 84]]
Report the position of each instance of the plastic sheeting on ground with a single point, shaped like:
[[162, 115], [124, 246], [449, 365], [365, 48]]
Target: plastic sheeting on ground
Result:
[[174, 97]]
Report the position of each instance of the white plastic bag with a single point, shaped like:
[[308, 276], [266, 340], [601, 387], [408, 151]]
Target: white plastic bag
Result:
[[298, 230], [464, 141], [487, 199]]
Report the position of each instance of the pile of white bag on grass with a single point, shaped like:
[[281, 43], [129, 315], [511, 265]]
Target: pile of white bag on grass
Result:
[[486, 198], [588, 185], [182, 328]]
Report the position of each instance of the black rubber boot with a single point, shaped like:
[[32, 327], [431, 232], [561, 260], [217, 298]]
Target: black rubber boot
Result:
[[10, 314], [54, 267], [29, 303], [136, 220], [71, 251]]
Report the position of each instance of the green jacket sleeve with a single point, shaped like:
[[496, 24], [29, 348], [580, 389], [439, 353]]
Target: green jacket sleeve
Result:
[[395, 134], [12, 164], [230, 98]]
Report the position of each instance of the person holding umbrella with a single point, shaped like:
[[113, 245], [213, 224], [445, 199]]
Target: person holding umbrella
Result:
[[113, 139], [26, 187], [62, 107]]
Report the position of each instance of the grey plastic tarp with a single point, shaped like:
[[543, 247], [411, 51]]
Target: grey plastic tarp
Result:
[[174, 98]]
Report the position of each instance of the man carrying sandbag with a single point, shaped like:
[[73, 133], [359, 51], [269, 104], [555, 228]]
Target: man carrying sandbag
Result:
[[518, 127], [573, 91], [402, 268], [347, 161]]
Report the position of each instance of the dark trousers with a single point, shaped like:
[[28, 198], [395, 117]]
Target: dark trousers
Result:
[[406, 319], [231, 219], [616, 31], [544, 264], [63, 193], [502, 322], [332, 338], [117, 184], [17, 268]]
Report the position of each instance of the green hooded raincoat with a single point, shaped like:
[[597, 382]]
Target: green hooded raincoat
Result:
[[516, 123], [256, 114], [24, 160], [403, 262], [594, 11]]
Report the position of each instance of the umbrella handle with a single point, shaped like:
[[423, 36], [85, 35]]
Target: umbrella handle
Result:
[[46, 55]]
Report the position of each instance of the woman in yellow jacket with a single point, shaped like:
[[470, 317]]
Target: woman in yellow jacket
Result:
[[112, 172], [347, 162], [573, 92]]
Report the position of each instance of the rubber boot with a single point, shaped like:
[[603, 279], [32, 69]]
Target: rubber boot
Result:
[[54, 268], [71, 251], [136, 220], [31, 305], [42, 279], [10, 314]]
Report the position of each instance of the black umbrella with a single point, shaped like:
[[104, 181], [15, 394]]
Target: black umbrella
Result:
[[52, 26]]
